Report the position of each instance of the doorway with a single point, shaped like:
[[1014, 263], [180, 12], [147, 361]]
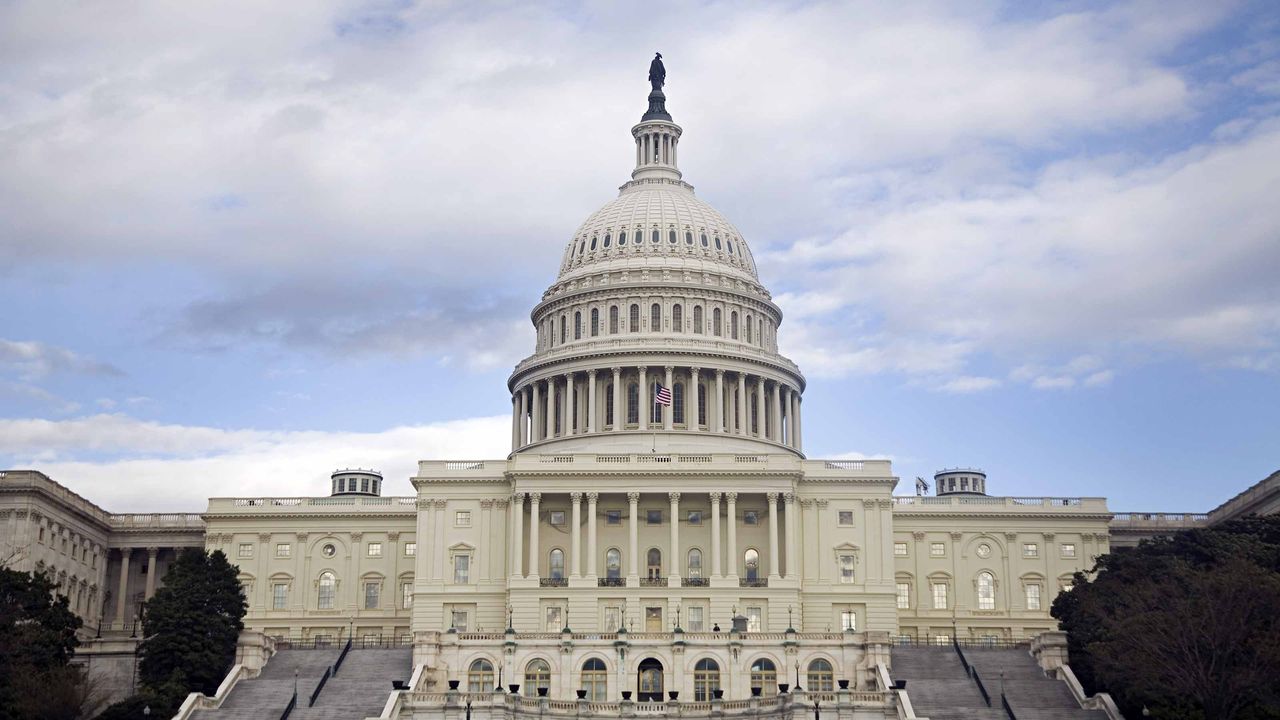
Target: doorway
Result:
[[650, 681]]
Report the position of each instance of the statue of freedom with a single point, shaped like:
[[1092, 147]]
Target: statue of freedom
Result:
[[657, 73]]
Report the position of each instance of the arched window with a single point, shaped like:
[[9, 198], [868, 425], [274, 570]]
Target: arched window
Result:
[[729, 244], [577, 326], [653, 563], [706, 680], [694, 565], [755, 413], [748, 328], [595, 678], [655, 318], [764, 675], [715, 322], [595, 322], [564, 329], [702, 404], [733, 326], [537, 674], [697, 319], [760, 331], [328, 586], [717, 242], [821, 677], [688, 237], [556, 561], [671, 236], [608, 405], [480, 677], [613, 564], [633, 403], [751, 563], [677, 403], [622, 238], [677, 318], [635, 318], [656, 236], [613, 320], [607, 238], [986, 591]]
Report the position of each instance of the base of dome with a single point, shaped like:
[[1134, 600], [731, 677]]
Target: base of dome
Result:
[[629, 442]]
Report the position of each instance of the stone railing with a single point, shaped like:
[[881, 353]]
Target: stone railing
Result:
[[656, 342], [926, 503], [495, 704], [154, 521], [270, 505], [1159, 520]]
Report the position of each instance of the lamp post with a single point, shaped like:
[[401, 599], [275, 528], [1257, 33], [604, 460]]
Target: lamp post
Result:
[[468, 708], [351, 621], [146, 711], [817, 714]]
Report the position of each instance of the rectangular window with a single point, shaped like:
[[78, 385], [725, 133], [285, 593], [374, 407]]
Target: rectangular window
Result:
[[900, 549], [846, 568], [462, 518], [848, 620], [612, 517], [410, 549], [750, 517], [1030, 550], [375, 549], [371, 592], [406, 595], [461, 569], [246, 550], [279, 596], [557, 517], [695, 517], [755, 619], [937, 549], [458, 620], [653, 517], [695, 619], [612, 618], [555, 618], [1068, 550], [1033, 597], [845, 517], [904, 596], [283, 550], [939, 596]]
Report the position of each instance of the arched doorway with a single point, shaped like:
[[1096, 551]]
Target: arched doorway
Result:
[[649, 681]]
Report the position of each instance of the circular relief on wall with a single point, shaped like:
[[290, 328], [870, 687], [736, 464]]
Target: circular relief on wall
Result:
[[984, 550], [328, 550]]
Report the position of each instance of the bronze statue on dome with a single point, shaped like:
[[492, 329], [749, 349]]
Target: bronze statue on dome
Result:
[[657, 73]]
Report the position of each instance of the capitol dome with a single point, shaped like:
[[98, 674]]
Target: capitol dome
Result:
[[656, 335]]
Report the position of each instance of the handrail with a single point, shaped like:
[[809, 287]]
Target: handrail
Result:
[[320, 686], [973, 672], [342, 656], [288, 709], [963, 661], [1004, 701]]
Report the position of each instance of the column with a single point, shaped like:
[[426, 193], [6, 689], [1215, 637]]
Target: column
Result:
[[674, 497], [567, 414], [669, 411], [592, 412], [799, 423], [125, 553], [789, 432], [715, 534], [515, 422], [643, 398], [591, 528], [731, 499], [633, 554], [773, 534], [619, 412], [742, 404], [152, 552], [762, 411], [517, 529], [717, 411], [790, 518], [524, 418], [575, 544], [551, 408], [535, 554], [691, 418], [775, 430], [535, 417]]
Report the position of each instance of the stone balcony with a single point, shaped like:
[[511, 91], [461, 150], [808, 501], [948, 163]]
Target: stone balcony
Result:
[[842, 705]]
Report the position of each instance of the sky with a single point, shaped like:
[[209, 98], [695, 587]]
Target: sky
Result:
[[243, 244]]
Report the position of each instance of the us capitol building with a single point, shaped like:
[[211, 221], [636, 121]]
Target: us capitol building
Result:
[[624, 545]]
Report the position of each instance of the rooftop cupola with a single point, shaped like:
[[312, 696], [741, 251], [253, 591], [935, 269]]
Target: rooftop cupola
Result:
[[656, 136]]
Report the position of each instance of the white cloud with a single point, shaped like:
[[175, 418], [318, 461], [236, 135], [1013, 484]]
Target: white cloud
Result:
[[969, 384], [33, 360], [120, 462]]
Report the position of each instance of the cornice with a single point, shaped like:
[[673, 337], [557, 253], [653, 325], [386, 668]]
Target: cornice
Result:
[[1105, 517], [608, 357]]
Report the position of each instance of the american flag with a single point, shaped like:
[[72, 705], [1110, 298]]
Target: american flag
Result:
[[663, 397]]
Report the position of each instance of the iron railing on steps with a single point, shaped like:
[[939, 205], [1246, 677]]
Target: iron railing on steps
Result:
[[342, 656], [1004, 702], [319, 686], [288, 709]]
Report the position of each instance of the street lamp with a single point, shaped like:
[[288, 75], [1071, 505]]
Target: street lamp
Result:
[[817, 714], [146, 711]]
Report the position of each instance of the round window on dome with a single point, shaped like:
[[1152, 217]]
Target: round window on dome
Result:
[[688, 238], [717, 242], [671, 236], [704, 240], [622, 238], [607, 238], [657, 235]]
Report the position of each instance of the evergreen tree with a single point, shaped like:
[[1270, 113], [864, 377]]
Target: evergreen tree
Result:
[[191, 626], [37, 640]]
